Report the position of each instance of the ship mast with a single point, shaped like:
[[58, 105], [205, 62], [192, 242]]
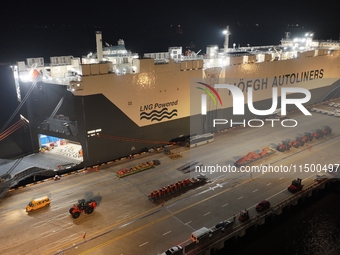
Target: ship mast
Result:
[[226, 39]]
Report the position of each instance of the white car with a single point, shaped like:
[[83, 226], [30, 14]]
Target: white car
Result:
[[172, 250]]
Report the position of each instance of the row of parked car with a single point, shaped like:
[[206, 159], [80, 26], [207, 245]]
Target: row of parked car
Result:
[[225, 225], [335, 112], [334, 105]]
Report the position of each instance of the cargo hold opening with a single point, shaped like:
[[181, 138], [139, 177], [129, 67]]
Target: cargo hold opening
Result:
[[66, 152]]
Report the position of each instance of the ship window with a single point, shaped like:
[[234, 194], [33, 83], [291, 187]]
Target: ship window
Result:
[[125, 60]]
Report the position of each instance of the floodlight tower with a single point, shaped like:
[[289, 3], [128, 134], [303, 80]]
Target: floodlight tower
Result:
[[226, 38]]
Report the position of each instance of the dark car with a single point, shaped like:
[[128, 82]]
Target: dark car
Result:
[[222, 224], [262, 206]]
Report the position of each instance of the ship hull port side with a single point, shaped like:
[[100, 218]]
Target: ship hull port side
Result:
[[55, 111], [77, 116]]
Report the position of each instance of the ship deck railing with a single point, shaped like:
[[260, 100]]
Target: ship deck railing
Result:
[[61, 80], [187, 58]]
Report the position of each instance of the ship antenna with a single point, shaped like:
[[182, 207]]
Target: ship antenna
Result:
[[226, 38], [287, 35]]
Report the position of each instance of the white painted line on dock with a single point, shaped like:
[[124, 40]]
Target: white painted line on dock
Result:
[[323, 158], [276, 194], [206, 214], [143, 244], [187, 223], [240, 198], [269, 184], [255, 190], [167, 233], [225, 205], [281, 178]]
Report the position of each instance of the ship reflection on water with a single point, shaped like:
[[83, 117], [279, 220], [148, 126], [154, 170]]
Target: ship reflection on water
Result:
[[310, 228]]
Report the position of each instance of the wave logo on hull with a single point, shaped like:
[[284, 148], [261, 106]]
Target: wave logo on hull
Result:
[[208, 91], [158, 115]]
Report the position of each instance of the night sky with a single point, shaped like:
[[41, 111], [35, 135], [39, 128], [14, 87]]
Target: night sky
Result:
[[56, 28]]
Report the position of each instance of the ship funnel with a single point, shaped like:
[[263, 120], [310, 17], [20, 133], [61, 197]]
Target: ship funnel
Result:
[[99, 46]]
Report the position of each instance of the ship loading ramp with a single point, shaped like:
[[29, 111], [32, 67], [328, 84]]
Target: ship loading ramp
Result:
[[42, 164], [61, 157]]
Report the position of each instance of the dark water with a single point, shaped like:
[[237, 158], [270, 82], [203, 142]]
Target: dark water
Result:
[[312, 228]]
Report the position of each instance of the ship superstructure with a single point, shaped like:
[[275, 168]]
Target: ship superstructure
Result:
[[138, 103]]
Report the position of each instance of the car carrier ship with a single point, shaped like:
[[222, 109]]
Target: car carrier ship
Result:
[[114, 103]]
